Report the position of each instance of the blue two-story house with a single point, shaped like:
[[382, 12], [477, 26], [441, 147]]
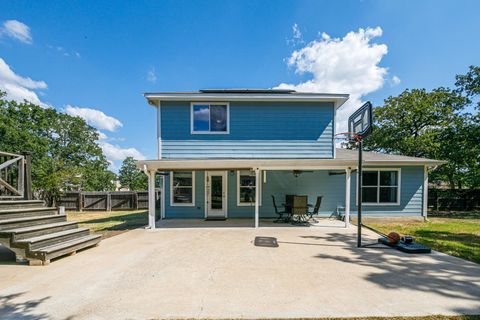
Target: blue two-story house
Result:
[[225, 153]]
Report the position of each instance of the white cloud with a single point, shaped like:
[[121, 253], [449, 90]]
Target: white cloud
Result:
[[64, 52], [341, 65], [17, 30], [102, 136], [117, 153], [395, 81], [151, 76], [296, 36], [20, 88], [95, 118]]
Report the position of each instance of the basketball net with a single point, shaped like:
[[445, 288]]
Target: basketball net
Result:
[[346, 138]]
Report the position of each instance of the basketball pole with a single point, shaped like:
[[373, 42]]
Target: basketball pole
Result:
[[359, 192]]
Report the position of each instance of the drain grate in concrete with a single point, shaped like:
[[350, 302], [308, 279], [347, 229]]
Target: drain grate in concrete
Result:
[[270, 242]]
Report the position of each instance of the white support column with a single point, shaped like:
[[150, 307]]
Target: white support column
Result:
[[257, 196], [425, 192], [348, 174], [151, 199], [162, 197]]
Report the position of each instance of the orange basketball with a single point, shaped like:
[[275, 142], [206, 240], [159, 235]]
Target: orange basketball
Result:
[[393, 237]]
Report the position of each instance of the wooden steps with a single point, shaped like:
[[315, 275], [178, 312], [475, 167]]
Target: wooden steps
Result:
[[49, 252], [27, 212], [38, 234], [38, 230], [21, 204]]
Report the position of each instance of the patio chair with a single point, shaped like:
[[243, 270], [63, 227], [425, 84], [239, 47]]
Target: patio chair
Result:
[[300, 210], [316, 208], [278, 212]]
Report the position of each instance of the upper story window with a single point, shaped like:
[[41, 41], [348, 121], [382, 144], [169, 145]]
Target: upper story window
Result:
[[210, 118], [381, 187]]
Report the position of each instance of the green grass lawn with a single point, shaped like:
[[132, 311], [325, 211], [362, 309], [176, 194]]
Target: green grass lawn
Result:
[[435, 317], [109, 223], [458, 236]]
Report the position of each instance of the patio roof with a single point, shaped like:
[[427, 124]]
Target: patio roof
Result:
[[344, 159]]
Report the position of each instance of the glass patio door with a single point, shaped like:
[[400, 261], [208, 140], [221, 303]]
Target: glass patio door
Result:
[[216, 194]]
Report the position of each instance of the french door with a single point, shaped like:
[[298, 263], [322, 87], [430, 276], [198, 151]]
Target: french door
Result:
[[216, 194]]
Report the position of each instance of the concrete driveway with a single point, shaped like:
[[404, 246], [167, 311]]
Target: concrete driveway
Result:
[[219, 273]]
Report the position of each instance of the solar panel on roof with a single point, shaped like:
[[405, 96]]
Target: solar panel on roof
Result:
[[263, 91]]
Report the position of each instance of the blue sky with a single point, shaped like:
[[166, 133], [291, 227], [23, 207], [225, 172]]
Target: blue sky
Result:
[[91, 56]]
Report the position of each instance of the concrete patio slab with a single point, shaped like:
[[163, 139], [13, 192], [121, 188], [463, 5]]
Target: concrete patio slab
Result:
[[218, 273]]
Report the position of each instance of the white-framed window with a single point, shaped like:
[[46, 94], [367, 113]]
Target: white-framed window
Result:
[[210, 118], [381, 186], [246, 188], [182, 188]]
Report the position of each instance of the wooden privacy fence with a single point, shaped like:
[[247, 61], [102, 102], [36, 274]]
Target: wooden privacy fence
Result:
[[456, 200], [107, 201]]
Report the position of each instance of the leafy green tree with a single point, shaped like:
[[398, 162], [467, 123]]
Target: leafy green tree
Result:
[[469, 86], [131, 177], [425, 124], [65, 153]]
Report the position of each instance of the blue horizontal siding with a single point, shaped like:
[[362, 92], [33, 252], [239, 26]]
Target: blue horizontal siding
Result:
[[312, 184], [245, 149], [302, 127]]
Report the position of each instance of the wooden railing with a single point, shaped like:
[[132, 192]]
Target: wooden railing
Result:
[[13, 182]]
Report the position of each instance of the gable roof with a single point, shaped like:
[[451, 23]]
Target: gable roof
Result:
[[154, 98]]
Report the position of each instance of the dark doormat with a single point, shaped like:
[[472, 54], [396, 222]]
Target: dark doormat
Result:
[[215, 219], [270, 242]]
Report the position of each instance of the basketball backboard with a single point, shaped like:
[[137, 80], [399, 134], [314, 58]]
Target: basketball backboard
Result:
[[360, 122]]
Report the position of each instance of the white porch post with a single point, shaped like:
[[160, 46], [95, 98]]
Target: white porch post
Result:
[[257, 196], [348, 174], [425, 192], [151, 199], [162, 199]]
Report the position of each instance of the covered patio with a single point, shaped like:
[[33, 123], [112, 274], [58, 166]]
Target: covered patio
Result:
[[341, 188], [263, 174]]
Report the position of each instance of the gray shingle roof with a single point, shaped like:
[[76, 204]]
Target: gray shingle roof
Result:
[[369, 156]]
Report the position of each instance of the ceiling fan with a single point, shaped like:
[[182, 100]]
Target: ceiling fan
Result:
[[296, 173]]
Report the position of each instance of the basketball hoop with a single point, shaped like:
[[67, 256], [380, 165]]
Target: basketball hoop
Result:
[[360, 125], [348, 136]]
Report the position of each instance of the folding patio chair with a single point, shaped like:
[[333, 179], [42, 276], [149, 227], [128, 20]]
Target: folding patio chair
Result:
[[278, 213], [300, 210], [316, 208]]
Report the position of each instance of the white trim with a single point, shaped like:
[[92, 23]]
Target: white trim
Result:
[[159, 130], [225, 187], [239, 204], [209, 104], [425, 192], [333, 131], [151, 199], [192, 204], [337, 99], [348, 174], [162, 204], [399, 170], [266, 164], [257, 196]]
